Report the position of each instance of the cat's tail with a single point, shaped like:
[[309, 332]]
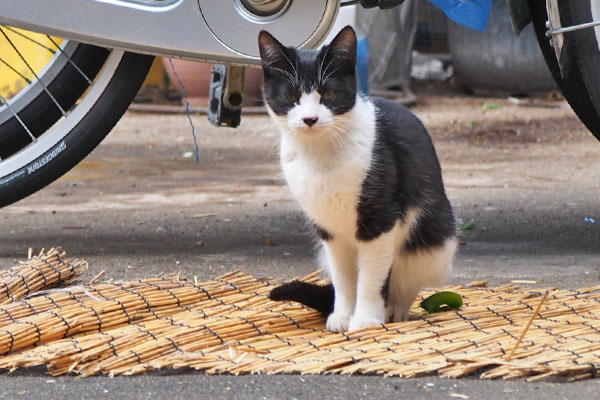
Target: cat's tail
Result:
[[319, 297]]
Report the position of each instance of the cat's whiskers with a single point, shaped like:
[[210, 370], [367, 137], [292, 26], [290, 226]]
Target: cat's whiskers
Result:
[[296, 77], [345, 124], [343, 119], [275, 144], [329, 75], [320, 70], [293, 80], [270, 124], [348, 124], [336, 136], [321, 80]]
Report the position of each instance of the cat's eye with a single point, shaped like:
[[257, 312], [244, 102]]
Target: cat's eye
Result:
[[328, 94], [290, 96]]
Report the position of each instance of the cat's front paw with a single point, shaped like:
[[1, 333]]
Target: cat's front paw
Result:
[[359, 321], [338, 322]]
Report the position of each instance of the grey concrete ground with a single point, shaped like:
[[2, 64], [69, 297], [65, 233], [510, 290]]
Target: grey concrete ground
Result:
[[527, 176]]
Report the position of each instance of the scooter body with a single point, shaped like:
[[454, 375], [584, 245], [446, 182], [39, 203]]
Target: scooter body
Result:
[[209, 30]]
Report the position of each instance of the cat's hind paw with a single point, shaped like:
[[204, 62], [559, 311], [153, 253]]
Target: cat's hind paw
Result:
[[401, 313], [338, 322], [358, 322]]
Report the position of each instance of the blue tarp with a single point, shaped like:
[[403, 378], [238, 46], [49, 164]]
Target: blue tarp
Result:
[[473, 14]]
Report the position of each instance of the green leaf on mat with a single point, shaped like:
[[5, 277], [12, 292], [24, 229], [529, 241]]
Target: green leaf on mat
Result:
[[466, 226], [491, 106], [436, 301]]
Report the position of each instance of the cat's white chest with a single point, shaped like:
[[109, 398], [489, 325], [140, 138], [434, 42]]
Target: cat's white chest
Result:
[[326, 174], [329, 197]]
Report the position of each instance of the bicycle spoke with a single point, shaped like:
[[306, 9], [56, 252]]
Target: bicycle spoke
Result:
[[16, 32], [4, 101], [71, 61], [15, 71], [64, 113]]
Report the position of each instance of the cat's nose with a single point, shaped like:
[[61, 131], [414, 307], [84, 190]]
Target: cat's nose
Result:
[[310, 121]]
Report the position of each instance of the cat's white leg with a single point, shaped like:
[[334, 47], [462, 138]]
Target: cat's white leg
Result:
[[415, 270], [340, 258], [375, 259]]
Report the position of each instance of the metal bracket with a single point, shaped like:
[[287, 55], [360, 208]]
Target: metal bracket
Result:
[[226, 96]]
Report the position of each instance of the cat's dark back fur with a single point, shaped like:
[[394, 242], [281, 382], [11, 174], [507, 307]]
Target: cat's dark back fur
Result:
[[404, 160]]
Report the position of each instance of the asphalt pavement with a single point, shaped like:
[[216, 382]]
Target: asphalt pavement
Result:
[[528, 177]]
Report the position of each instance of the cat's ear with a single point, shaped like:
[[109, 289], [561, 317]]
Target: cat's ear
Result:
[[343, 46], [272, 53]]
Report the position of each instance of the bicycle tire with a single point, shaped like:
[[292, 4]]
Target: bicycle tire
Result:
[[580, 86], [38, 111], [88, 132]]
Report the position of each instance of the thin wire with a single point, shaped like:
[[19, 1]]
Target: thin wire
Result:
[[30, 39], [71, 61], [15, 71], [187, 110], [4, 101], [64, 113]]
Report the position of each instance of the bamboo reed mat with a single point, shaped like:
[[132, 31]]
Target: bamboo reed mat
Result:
[[228, 325]]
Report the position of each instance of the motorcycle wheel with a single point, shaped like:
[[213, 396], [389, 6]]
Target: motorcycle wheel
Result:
[[63, 111], [581, 83]]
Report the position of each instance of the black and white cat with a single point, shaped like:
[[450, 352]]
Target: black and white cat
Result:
[[366, 173]]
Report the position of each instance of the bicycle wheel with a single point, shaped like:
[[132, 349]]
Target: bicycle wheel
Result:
[[581, 83], [64, 110]]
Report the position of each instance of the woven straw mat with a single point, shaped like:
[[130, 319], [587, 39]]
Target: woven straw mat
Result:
[[228, 325]]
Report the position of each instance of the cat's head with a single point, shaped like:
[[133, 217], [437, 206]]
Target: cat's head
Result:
[[307, 90]]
